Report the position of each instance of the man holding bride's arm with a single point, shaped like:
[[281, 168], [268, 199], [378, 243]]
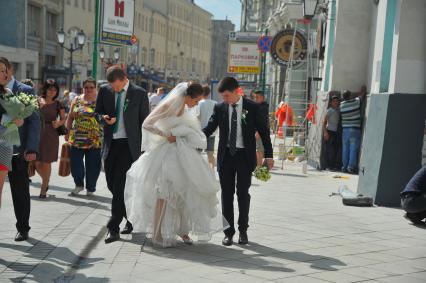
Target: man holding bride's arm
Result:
[[238, 120]]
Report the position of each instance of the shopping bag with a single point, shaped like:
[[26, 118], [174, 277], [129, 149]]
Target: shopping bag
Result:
[[64, 161]]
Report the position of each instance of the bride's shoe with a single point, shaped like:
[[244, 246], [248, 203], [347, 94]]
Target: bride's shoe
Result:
[[187, 240]]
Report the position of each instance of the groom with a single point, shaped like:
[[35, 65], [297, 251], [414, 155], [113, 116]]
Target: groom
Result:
[[123, 107], [238, 120]]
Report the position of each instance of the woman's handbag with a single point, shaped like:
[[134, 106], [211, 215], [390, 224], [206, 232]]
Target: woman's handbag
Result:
[[31, 168], [64, 161], [62, 131]]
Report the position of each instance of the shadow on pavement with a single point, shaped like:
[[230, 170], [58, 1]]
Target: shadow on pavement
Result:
[[262, 258], [73, 202], [44, 262], [288, 174]]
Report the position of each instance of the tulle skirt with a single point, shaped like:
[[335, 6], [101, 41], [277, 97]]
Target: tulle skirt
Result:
[[171, 191]]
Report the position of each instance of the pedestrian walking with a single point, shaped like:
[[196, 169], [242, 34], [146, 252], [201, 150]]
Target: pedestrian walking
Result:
[[6, 150], [85, 134], [204, 112], [50, 110], [123, 107], [259, 98], [29, 135]]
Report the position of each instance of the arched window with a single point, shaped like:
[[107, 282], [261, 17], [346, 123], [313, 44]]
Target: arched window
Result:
[[143, 56], [152, 57]]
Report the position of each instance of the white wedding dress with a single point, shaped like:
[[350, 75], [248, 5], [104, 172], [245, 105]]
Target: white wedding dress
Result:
[[170, 190]]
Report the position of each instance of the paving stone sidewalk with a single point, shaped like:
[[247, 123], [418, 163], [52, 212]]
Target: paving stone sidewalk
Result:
[[298, 234]]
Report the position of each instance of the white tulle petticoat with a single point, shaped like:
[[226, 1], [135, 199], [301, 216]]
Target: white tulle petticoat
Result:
[[171, 191]]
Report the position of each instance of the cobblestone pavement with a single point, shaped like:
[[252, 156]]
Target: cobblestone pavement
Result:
[[298, 234]]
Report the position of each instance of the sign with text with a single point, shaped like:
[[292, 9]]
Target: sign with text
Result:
[[243, 58], [117, 17]]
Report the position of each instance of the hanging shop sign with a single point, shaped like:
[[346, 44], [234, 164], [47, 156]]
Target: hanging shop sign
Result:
[[117, 18], [243, 58], [281, 47]]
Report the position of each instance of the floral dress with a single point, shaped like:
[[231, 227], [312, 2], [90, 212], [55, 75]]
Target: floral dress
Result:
[[86, 131]]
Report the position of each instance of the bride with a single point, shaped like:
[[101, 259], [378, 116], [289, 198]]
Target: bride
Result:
[[171, 190]]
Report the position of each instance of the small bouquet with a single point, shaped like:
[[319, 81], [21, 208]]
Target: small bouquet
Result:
[[17, 106], [262, 173]]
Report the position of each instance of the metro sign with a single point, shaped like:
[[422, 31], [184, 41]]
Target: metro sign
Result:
[[119, 9], [117, 22]]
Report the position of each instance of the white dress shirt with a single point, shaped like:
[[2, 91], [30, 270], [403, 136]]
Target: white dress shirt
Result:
[[239, 108], [121, 132]]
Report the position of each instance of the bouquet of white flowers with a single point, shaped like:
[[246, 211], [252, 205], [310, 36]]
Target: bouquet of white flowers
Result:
[[17, 106]]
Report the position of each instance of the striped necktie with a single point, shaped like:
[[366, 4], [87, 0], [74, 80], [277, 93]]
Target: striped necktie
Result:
[[117, 112]]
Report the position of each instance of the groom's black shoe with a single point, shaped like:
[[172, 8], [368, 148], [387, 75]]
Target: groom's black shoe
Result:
[[112, 237], [227, 241], [128, 228], [243, 239]]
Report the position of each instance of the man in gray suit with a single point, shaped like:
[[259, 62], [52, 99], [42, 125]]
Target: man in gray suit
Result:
[[123, 107]]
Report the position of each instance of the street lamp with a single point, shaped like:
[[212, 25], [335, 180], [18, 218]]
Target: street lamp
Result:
[[109, 60], [309, 8], [81, 39]]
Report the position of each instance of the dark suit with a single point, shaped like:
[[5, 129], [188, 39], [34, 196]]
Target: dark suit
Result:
[[29, 134], [119, 154], [240, 165]]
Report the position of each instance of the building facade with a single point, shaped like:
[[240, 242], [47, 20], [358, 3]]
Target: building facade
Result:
[[219, 53], [29, 41], [176, 40]]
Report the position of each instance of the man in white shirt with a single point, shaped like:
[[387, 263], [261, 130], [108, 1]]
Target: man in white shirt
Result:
[[155, 99], [205, 111]]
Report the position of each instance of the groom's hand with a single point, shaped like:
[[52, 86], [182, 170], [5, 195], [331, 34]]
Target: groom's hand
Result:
[[269, 162], [108, 120]]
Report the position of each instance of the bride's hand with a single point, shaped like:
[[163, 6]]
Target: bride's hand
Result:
[[171, 139]]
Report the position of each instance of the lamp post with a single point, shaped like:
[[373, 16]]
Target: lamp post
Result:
[[81, 39], [309, 8], [109, 61]]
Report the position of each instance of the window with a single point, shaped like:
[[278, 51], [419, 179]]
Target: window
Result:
[[68, 2], [143, 59], [29, 72], [174, 63], [33, 22], [51, 26], [194, 62], [89, 5], [49, 60], [139, 20], [83, 4], [152, 57], [76, 3]]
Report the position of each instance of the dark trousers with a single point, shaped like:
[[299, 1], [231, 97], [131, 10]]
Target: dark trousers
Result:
[[20, 188], [117, 164], [414, 203], [332, 149], [85, 163], [235, 167]]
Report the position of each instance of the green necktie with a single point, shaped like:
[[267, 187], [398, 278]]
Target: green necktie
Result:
[[117, 112]]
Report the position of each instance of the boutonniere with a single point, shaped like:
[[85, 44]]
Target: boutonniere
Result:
[[126, 102], [244, 116]]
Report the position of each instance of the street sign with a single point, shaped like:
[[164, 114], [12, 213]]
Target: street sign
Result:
[[282, 44], [117, 18], [264, 43], [243, 58], [244, 36], [133, 39]]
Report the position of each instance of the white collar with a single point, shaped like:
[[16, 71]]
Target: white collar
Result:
[[240, 101]]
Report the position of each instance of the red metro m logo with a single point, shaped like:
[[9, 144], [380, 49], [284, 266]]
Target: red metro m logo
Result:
[[119, 9]]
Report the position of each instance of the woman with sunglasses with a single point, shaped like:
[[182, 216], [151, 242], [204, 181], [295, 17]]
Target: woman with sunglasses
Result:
[[85, 135], [50, 110]]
